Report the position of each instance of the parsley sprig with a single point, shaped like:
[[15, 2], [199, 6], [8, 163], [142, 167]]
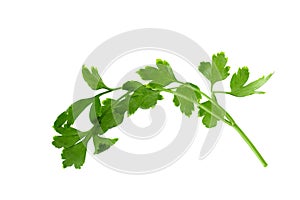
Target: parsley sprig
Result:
[[107, 113]]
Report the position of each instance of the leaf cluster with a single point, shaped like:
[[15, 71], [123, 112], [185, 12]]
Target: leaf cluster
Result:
[[107, 113]]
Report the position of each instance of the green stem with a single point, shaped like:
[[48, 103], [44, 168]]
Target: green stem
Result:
[[215, 104], [228, 116], [113, 89], [108, 91], [250, 144], [211, 88], [87, 138], [239, 130], [220, 92], [229, 122], [103, 93], [200, 105], [214, 115]]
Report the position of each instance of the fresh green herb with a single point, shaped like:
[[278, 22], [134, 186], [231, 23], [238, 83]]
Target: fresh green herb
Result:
[[108, 113], [92, 78], [238, 80], [216, 70], [162, 74], [185, 98]]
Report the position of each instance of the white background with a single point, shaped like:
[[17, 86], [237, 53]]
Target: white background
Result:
[[42, 46]]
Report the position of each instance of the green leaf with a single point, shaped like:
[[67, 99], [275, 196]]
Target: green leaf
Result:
[[73, 143], [196, 90], [74, 155], [77, 108], [209, 120], [102, 144], [95, 110], [112, 113], [176, 101], [92, 78], [217, 70], [65, 141], [122, 106], [66, 131], [131, 85], [143, 98], [239, 79], [162, 74], [185, 97], [61, 119], [71, 114], [68, 137], [155, 86]]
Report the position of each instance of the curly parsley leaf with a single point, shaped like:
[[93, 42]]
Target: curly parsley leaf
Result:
[[162, 74], [216, 70], [239, 79], [92, 78]]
